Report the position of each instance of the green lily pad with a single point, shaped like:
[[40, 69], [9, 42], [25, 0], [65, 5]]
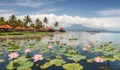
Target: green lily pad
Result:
[[57, 62], [46, 65], [76, 58], [72, 66], [108, 58], [1, 60], [90, 60], [26, 65]]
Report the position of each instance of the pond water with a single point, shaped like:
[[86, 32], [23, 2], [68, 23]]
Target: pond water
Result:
[[77, 40]]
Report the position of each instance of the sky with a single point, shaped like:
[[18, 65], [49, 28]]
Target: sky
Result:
[[90, 13]]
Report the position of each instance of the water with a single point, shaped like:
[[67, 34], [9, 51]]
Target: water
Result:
[[81, 38]]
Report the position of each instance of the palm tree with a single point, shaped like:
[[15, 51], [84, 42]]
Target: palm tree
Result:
[[56, 24], [2, 20], [12, 21], [20, 23], [38, 23], [27, 20], [45, 20]]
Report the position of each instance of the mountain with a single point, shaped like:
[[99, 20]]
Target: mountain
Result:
[[79, 27]]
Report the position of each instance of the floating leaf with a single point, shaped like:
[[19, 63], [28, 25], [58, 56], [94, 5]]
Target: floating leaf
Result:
[[90, 60], [26, 65], [76, 58], [72, 66], [57, 62], [1, 60], [46, 65], [108, 58]]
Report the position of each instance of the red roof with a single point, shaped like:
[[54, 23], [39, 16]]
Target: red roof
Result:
[[30, 28], [61, 28], [50, 27], [20, 28], [42, 28], [6, 26]]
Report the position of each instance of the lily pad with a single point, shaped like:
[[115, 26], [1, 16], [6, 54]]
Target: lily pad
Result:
[[90, 60], [46, 65], [72, 66], [57, 62], [1, 60], [76, 58]]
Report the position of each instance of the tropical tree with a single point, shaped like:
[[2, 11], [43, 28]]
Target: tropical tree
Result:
[[27, 20], [12, 21], [56, 24], [20, 23], [38, 23], [45, 20], [2, 20]]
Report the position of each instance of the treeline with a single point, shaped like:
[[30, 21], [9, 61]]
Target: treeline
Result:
[[14, 22]]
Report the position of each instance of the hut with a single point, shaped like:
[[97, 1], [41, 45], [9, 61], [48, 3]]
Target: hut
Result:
[[5, 28], [18, 28], [51, 29], [61, 29], [42, 29], [31, 29]]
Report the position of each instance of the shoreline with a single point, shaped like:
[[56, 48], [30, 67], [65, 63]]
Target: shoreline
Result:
[[26, 35]]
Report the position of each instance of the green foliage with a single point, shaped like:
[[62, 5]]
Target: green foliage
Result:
[[56, 62], [20, 64], [1, 60], [72, 66]]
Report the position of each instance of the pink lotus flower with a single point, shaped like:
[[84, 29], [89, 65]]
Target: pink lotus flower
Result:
[[85, 49], [99, 59], [69, 44], [13, 55], [27, 51], [50, 47], [37, 57]]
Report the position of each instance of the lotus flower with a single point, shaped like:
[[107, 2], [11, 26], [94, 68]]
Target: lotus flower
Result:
[[69, 44], [85, 49], [13, 55], [99, 59], [27, 51], [37, 57], [50, 47]]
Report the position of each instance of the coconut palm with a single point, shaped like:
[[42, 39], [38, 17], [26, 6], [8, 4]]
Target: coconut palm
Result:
[[27, 20], [2, 20], [38, 23], [12, 21], [45, 20], [56, 24]]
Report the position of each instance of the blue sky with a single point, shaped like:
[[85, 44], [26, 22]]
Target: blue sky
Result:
[[96, 11]]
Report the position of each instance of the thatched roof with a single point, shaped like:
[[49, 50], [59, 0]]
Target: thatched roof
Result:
[[6, 26], [30, 28]]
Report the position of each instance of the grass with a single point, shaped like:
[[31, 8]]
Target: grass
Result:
[[23, 33]]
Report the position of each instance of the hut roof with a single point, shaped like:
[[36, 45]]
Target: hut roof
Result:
[[42, 28], [30, 28], [20, 28], [61, 28], [6, 26]]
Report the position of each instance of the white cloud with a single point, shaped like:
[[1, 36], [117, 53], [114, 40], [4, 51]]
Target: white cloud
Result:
[[111, 23], [109, 12]]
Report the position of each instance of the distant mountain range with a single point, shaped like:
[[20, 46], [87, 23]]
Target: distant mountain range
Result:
[[79, 27]]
